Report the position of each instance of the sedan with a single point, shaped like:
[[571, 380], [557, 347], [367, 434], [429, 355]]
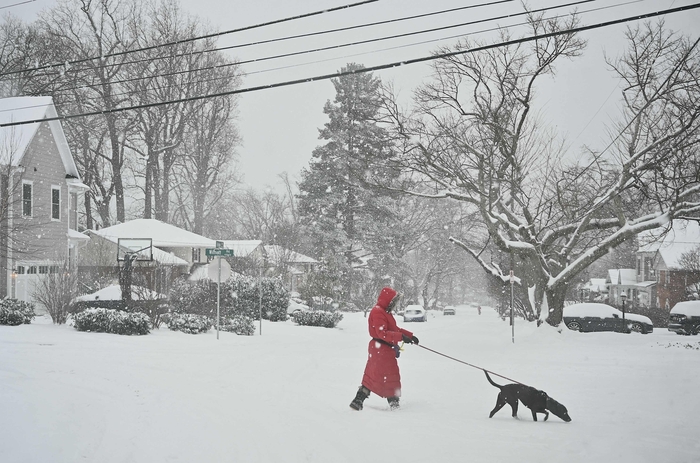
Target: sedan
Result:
[[449, 310], [592, 316], [415, 313]]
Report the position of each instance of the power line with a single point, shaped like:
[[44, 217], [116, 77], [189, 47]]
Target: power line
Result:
[[16, 4], [335, 47], [317, 33], [334, 58], [192, 39], [369, 69]]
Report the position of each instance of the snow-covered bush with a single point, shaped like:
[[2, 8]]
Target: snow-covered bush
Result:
[[101, 320], [239, 296], [189, 323], [193, 297], [241, 325], [15, 312], [318, 318]]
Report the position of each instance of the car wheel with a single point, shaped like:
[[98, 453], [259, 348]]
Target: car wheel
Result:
[[697, 329], [574, 326], [637, 328]]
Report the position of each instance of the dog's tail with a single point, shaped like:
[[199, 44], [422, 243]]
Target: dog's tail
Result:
[[490, 380]]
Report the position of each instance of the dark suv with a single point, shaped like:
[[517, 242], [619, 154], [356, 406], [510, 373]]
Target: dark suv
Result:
[[685, 318]]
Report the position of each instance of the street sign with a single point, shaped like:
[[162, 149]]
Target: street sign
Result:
[[219, 245], [218, 252]]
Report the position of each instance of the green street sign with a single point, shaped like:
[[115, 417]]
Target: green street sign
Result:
[[218, 252]]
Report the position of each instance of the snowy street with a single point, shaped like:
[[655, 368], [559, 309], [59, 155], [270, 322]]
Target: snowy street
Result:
[[69, 396]]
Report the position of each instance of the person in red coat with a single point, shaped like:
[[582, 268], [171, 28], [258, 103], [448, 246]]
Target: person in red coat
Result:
[[382, 370]]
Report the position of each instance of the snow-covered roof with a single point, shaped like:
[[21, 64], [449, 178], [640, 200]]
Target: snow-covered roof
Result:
[[683, 237], [15, 140], [77, 236], [114, 293], [279, 254], [163, 234], [596, 284], [622, 276], [160, 256], [242, 248]]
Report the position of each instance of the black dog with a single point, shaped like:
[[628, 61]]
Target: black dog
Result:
[[537, 401]]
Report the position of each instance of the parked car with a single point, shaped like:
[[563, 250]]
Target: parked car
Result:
[[415, 313], [449, 310], [296, 306], [685, 318], [593, 316]]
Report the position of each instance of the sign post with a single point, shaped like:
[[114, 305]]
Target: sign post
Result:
[[218, 271], [512, 319]]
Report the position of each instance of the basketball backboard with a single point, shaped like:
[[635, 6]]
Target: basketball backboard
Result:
[[141, 247]]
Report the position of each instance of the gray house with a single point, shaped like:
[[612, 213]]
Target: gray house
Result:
[[40, 187]]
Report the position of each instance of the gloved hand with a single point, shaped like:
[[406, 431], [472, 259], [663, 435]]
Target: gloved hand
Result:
[[407, 340], [414, 340]]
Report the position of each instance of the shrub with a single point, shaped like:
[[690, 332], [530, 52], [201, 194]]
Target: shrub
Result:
[[240, 297], [101, 320], [241, 325], [189, 323], [15, 312], [318, 318]]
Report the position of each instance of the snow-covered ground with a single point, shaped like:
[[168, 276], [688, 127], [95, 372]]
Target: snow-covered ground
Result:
[[68, 396]]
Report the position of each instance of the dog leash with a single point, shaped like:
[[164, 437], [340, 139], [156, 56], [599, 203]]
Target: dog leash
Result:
[[469, 364]]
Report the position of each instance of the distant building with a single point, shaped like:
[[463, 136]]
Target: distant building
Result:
[[659, 261], [621, 281]]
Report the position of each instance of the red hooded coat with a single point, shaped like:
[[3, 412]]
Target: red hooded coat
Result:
[[382, 371]]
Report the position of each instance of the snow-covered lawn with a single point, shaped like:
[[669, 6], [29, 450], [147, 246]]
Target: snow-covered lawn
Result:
[[68, 396]]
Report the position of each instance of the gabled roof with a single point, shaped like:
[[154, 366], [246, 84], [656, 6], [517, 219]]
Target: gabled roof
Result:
[[242, 248], [278, 254], [683, 235], [15, 140], [163, 234], [622, 276], [160, 256], [596, 285]]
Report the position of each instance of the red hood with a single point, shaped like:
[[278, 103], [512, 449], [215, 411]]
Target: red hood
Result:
[[385, 297]]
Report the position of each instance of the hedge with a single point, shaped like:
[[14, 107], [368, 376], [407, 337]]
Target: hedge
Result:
[[318, 318], [101, 320]]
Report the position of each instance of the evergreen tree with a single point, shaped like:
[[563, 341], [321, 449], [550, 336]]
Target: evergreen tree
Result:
[[336, 200]]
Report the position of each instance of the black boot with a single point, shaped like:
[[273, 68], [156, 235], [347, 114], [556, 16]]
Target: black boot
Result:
[[362, 394], [393, 403]]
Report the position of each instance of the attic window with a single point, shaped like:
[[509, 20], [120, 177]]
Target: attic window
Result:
[[55, 203], [27, 199]]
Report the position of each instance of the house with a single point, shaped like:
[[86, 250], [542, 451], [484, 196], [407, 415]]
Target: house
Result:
[[595, 290], [40, 187], [175, 251], [621, 281], [660, 262], [291, 265]]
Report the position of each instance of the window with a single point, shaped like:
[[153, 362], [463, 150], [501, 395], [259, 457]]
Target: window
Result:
[[31, 270], [55, 203], [27, 199], [43, 269], [20, 270], [196, 254]]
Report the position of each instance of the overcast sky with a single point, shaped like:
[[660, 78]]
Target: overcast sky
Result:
[[280, 126]]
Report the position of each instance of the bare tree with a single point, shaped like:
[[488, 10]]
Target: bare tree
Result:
[[474, 139], [86, 30], [56, 291]]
